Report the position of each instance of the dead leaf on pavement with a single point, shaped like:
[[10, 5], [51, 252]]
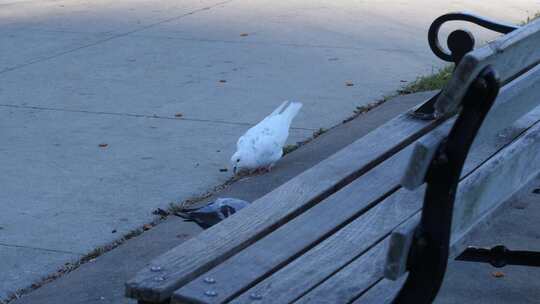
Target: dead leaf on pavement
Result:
[[497, 274]]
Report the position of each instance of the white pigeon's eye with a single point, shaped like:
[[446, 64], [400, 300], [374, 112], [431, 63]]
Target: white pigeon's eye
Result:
[[238, 160]]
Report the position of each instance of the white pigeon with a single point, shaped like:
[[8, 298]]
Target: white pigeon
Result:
[[262, 145]]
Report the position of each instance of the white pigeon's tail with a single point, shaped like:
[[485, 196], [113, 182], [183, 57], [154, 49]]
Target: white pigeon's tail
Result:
[[280, 109], [290, 110]]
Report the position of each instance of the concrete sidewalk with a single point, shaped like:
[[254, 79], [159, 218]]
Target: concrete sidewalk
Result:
[[91, 90], [102, 280]]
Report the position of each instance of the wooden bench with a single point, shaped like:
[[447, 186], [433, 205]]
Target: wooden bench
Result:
[[333, 233]]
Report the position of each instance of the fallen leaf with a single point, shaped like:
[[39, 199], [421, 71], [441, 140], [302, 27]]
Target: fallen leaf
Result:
[[222, 80], [147, 227], [223, 170], [103, 145], [244, 34], [497, 274], [178, 115], [349, 83], [114, 231]]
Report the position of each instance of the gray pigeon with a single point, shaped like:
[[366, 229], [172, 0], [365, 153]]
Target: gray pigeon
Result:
[[213, 212]]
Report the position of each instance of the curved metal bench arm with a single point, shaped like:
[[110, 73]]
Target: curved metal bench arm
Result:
[[429, 253], [461, 41]]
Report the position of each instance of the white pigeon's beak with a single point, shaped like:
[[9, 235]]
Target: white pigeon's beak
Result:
[[234, 170]]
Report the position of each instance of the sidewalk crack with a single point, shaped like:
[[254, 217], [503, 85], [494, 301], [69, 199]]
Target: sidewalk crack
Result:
[[42, 249], [141, 116]]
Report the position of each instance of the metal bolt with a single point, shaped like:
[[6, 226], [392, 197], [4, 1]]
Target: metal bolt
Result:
[[210, 293], [155, 269], [209, 280], [256, 296], [159, 279]]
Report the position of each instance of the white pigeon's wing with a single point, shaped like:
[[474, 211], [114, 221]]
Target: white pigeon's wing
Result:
[[268, 145]]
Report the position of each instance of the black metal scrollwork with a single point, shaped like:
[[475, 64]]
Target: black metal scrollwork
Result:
[[460, 42]]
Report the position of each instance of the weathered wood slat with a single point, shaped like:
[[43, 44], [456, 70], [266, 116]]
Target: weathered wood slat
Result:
[[303, 232], [316, 265], [477, 195], [499, 178], [385, 290], [515, 100], [483, 186], [194, 257], [275, 250], [334, 291], [509, 55], [307, 274], [382, 293]]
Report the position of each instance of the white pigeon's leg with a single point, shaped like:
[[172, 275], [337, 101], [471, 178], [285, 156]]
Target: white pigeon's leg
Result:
[[267, 169]]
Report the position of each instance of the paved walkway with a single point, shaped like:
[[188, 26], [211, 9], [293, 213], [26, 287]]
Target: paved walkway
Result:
[[102, 281], [90, 92]]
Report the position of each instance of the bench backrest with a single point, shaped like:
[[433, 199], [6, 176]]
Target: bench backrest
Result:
[[515, 58]]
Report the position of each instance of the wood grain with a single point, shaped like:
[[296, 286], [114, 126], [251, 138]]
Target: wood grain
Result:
[[527, 143], [320, 263], [299, 235], [196, 256], [515, 100]]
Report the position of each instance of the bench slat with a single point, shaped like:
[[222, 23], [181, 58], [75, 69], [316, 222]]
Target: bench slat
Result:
[[197, 255], [509, 55], [297, 236], [499, 178], [383, 292], [515, 100], [385, 289], [480, 193], [326, 258], [360, 270], [314, 267]]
